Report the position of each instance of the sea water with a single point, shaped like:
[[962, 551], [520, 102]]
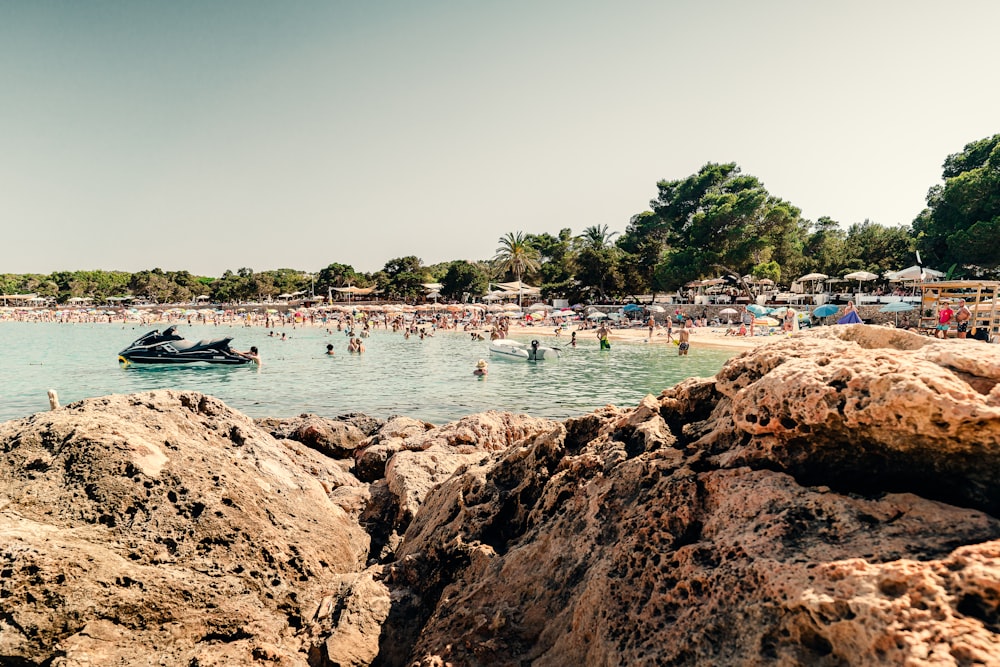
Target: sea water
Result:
[[429, 379]]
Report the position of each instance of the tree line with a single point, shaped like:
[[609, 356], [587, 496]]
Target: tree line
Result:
[[716, 221]]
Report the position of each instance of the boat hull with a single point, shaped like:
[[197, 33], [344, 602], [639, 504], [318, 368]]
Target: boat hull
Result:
[[511, 349]]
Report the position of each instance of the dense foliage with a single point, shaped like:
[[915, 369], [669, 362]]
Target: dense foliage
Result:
[[961, 224], [718, 221]]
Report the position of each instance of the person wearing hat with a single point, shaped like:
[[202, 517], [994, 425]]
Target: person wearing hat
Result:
[[482, 368]]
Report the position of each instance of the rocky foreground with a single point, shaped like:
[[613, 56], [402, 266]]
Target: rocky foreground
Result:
[[828, 499]]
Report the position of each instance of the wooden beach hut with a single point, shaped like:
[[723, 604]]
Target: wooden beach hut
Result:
[[981, 296]]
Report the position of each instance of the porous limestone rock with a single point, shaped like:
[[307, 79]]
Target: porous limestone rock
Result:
[[787, 512], [830, 498], [162, 528], [417, 459], [338, 438]]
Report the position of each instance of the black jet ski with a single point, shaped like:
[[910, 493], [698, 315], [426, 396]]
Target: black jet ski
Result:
[[170, 348]]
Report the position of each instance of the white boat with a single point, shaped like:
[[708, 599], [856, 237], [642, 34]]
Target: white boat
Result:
[[513, 349]]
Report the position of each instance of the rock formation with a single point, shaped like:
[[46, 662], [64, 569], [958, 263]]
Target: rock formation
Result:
[[162, 527], [828, 499]]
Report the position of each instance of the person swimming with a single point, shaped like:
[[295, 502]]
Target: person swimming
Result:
[[482, 368]]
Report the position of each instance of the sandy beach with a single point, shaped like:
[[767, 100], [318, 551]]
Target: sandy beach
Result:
[[713, 337]]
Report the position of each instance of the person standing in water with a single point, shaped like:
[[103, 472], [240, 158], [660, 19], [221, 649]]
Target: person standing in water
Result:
[[602, 335], [684, 340]]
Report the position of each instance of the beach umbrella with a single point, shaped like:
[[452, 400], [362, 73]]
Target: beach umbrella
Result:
[[598, 315], [656, 309], [813, 278], [538, 306], [757, 310], [897, 307], [825, 310], [860, 276], [728, 311], [631, 308], [765, 321]]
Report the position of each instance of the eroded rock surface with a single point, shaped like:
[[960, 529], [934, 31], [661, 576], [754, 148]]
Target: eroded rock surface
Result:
[[787, 512], [828, 499], [162, 527]]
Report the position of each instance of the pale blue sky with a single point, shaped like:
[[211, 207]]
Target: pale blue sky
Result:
[[216, 135]]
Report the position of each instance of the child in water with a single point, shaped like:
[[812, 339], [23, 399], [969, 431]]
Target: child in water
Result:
[[482, 368]]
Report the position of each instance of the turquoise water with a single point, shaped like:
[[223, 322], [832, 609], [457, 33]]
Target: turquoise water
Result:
[[428, 379]]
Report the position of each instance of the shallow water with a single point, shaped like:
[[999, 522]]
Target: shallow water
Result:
[[428, 379]]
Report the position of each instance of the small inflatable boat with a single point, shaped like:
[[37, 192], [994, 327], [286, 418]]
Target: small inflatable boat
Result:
[[512, 349], [169, 347]]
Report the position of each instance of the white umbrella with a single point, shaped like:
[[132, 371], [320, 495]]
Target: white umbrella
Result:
[[538, 306], [596, 316], [813, 278], [913, 273], [729, 311], [655, 309], [860, 276]]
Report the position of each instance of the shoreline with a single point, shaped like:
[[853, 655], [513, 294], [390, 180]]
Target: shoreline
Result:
[[712, 337]]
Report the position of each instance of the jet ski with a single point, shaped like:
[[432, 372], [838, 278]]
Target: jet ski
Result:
[[169, 347]]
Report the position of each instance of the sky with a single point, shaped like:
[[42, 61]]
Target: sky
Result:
[[207, 136]]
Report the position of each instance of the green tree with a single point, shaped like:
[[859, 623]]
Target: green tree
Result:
[[824, 249], [464, 279], [719, 216], [597, 271], [403, 277], [555, 255], [962, 220], [597, 237], [152, 285], [872, 247], [643, 245], [516, 256], [338, 275]]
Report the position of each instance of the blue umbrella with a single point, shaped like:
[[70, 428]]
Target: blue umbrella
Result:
[[897, 307], [757, 310], [825, 310], [631, 308]]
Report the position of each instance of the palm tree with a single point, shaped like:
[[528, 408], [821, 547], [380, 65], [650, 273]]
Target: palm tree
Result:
[[516, 256], [597, 237]]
